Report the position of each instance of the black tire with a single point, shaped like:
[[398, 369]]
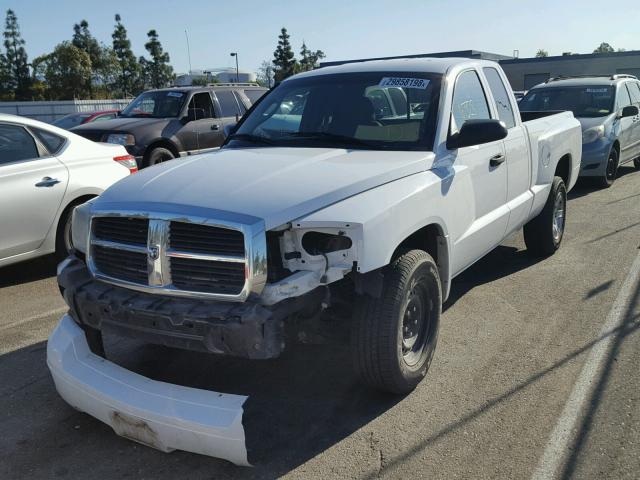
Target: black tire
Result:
[[158, 155], [540, 236], [63, 234], [636, 163], [387, 356], [611, 171]]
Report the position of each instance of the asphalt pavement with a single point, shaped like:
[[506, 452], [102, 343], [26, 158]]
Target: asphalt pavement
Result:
[[536, 375]]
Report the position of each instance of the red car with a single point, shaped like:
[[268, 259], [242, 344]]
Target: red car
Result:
[[75, 119]]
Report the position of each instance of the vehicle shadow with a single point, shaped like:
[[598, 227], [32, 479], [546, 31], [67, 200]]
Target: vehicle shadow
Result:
[[28, 271], [501, 262]]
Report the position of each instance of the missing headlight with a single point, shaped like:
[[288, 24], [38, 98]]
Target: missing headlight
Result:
[[317, 243]]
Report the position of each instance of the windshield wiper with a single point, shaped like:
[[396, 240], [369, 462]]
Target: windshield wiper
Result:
[[332, 137], [247, 137]]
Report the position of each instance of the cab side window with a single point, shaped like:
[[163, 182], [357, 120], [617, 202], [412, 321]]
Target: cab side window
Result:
[[16, 144], [202, 105], [228, 103], [469, 101], [634, 92], [500, 95], [623, 98]]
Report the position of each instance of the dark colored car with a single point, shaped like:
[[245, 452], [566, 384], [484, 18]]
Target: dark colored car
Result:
[[74, 119], [163, 124]]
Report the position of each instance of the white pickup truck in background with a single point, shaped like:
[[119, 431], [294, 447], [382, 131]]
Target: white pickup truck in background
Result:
[[368, 184]]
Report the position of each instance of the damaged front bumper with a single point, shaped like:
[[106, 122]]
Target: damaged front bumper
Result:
[[164, 416]]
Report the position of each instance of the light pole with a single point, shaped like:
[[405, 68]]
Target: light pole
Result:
[[235, 54]]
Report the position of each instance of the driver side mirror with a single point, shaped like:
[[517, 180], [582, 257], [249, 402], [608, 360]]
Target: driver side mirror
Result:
[[629, 111], [477, 132]]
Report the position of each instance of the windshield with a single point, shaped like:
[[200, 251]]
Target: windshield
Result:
[[583, 101], [71, 121], [158, 104], [352, 110]]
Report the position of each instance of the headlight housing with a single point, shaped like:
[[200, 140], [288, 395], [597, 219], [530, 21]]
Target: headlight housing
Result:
[[121, 139], [80, 223], [592, 134]]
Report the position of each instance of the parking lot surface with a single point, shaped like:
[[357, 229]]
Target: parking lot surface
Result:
[[516, 340]]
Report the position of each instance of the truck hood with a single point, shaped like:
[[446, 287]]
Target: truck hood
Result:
[[120, 124], [274, 184]]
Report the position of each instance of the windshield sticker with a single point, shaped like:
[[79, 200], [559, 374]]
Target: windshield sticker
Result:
[[597, 90], [174, 94], [419, 83]]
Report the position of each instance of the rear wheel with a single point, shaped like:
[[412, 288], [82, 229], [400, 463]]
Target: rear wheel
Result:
[[543, 234], [159, 155], [394, 336], [612, 170]]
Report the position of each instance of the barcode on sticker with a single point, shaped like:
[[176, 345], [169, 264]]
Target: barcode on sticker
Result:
[[404, 82]]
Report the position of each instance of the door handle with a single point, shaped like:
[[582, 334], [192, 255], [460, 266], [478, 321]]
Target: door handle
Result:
[[47, 182], [497, 160], [215, 126]]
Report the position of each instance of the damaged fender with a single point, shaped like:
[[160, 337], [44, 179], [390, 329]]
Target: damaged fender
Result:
[[161, 415]]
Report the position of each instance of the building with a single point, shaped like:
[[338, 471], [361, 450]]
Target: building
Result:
[[524, 73], [221, 75]]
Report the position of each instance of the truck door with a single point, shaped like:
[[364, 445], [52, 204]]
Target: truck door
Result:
[[518, 162], [204, 131], [634, 135], [483, 173], [626, 124], [229, 109]]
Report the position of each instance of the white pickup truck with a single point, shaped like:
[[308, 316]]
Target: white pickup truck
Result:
[[368, 184]]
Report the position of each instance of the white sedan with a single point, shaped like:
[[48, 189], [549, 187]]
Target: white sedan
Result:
[[45, 172]]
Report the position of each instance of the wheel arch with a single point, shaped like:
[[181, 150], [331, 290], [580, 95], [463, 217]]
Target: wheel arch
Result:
[[161, 143], [564, 168], [433, 239]]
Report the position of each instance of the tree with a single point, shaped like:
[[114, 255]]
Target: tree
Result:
[[309, 59], [16, 59], [129, 77], [158, 73], [67, 71], [542, 53], [5, 79], [265, 74], [621, 50], [604, 48], [284, 61]]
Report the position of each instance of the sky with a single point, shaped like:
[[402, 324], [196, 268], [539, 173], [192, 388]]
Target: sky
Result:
[[343, 29]]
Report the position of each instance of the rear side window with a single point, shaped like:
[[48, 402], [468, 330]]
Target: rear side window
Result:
[[240, 102], [51, 141], [500, 95], [634, 91], [228, 103], [623, 98], [254, 95], [16, 144], [469, 102]]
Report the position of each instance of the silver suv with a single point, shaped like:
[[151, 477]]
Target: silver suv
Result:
[[607, 108]]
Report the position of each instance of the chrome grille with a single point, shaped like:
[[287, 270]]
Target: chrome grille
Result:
[[132, 231], [123, 264], [206, 239], [185, 256], [207, 276]]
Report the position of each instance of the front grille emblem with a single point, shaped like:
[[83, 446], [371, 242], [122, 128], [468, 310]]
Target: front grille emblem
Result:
[[154, 252]]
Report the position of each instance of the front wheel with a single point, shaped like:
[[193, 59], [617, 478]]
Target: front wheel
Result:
[[394, 336], [611, 171], [543, 234], [158, 155]]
